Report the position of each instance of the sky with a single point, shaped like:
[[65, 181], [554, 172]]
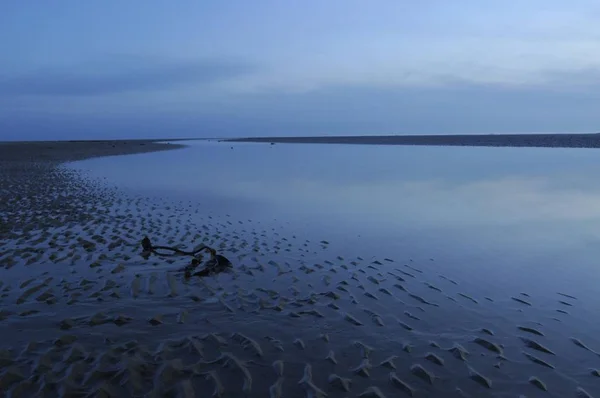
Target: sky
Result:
[[157, 69]]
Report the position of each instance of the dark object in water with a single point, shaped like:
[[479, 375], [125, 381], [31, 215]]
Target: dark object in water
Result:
[[216, 264], [188, 269], [146, 244], [148, 247], [217, 260]]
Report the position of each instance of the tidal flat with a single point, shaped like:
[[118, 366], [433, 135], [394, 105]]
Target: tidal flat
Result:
[[353, 293]]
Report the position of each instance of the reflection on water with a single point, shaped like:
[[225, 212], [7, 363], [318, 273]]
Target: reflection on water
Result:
[[432, 186], [499, 218], [515, 211]]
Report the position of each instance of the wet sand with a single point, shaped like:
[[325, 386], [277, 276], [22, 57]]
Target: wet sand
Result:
[[493, 140], [56, 152], [82, 313]]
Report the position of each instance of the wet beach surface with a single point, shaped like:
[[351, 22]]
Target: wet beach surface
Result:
[[308, 309]]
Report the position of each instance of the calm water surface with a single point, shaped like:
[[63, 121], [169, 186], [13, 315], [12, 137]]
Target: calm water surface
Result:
[[500, 222], [499, 214]]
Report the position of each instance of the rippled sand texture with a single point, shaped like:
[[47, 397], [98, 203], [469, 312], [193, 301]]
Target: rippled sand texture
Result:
[[83, 314]]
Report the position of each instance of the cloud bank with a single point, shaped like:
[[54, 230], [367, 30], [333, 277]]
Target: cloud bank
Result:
[[138, 74]]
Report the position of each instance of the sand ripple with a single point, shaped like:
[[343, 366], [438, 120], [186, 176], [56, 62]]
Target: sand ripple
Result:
[[105, 321]]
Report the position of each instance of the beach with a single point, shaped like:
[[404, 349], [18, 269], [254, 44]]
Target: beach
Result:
[[84, 313]]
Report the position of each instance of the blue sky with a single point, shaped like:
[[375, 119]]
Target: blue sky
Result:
[[110, 69]]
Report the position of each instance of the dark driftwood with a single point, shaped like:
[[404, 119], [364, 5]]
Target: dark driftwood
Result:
[[216, 264], [148, 248]]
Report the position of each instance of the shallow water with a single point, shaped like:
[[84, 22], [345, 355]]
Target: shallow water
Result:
[[512, 212], [392, 247]]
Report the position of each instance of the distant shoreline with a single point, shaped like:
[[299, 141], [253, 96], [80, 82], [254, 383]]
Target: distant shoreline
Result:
[[57, 152], [488, 140]]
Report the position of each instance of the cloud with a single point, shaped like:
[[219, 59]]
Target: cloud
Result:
[[564, 103], [120, 75]]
